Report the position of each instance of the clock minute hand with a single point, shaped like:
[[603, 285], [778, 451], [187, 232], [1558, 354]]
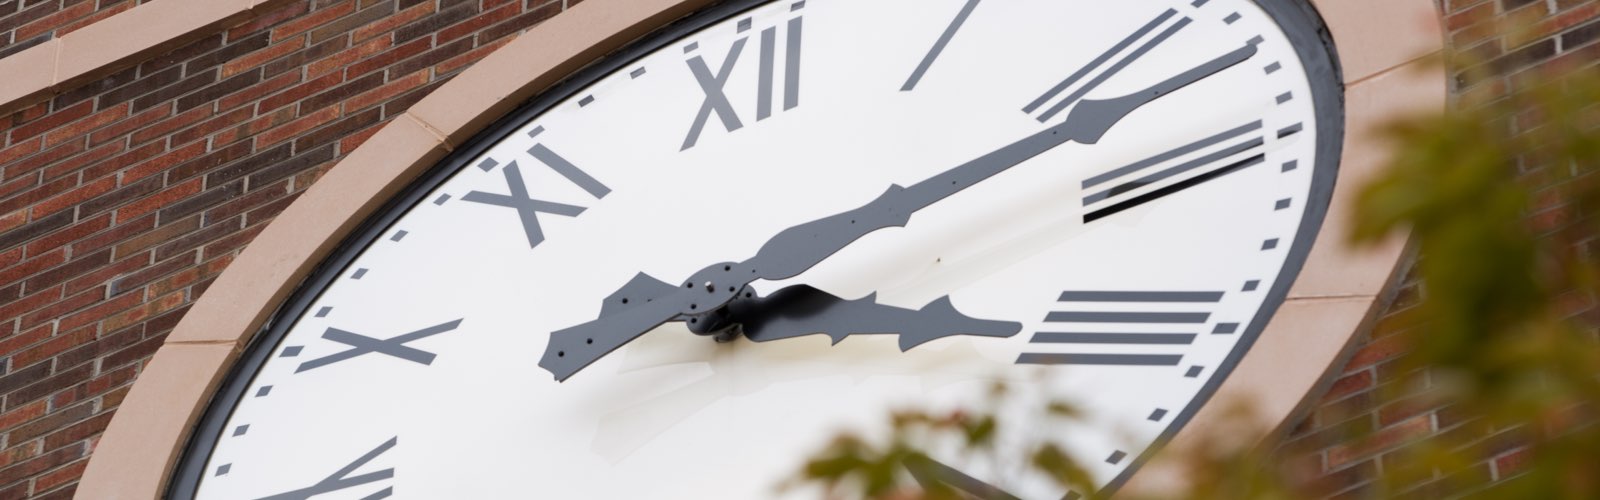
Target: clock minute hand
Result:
[[798, 248]]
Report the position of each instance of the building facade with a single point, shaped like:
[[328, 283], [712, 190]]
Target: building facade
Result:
[[130, 181]]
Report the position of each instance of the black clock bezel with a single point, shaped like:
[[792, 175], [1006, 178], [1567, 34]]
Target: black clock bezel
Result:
[[1298, 19]]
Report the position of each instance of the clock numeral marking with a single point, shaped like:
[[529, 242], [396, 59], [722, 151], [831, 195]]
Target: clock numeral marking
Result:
[[1152, 179], [1105, 57], [342, 479], [394, 347], [1042, 358], [527, 207], [713, 85], [1150, 334], [939, 45]]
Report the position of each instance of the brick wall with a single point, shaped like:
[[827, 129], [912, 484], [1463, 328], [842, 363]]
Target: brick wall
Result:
[[25, 23], [122, 199], [1364, 397]]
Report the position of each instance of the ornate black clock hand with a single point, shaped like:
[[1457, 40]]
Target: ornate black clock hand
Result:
[[798, 248], [801, 310]]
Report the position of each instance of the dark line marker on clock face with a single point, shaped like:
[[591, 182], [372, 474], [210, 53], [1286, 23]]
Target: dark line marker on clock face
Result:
[[1157, 415], [1269, 244], [744, 24], [1114, 69], [1194, 371], [635, 74], [1290, 165], [1116, 457], [1250, 286], [1180, 186], [1290, 130], [797, 6], [1126, 317], [359, 273], [323, 313], [441, 199], [488, 164], [264, 391], [1100, 296], [398, 235], [240, 430], [1285, 97], [1225, 329], [540, 129], [939, 45], [1232, 18], [1112, 338], [1273, 68], [1169, 155], [291, 351], [1039, 358], [222, 470], [585, 101], [1199, 3], [1281, 204]]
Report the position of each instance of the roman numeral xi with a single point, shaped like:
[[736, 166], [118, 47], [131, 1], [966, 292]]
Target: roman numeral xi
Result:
[[713, 84], [526, 206]]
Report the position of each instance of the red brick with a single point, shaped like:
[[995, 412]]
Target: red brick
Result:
[[30, 302], [103, 310], [70, 472], [52, 347], [388, 57], [155, 202], [52, 155], [232, 242], [1386, 438], [166, 161], [52, 21], [77, 163], [52, 121], [288, 130], [70, 234], [483, 20], [161, 233], [205, 128], [13, 219], [122, 128], [18, 416], [388, 24], [1378, 350], [287, 12], [162, 128], [104, 275], [33, 265], [298, 92], [135, 279], [471, 56], [98, 15], [387, 91], [337, 62], [77, 266], [250, 94], [144, 311], [27, 338], [314, 19], [354, 140], [84, 126], [73, 302], [260, 57], [20, 150]]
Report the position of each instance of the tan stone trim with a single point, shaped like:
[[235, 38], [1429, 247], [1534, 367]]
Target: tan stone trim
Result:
[[114, 43], [1332, 300]]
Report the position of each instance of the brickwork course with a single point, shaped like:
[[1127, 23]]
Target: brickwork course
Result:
[[121, 199]]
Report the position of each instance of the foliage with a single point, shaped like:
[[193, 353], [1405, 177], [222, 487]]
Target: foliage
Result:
[[1498, 196]]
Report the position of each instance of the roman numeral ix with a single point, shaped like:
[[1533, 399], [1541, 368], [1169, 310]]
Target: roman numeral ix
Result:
[[713, 85]]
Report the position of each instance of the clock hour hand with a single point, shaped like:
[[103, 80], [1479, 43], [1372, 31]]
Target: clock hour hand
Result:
[[801, 310], [798, 248]]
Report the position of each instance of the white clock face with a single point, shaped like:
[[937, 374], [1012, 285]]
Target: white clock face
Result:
[[1117, 253]]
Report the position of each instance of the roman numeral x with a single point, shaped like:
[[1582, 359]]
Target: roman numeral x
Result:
[[394, 347]]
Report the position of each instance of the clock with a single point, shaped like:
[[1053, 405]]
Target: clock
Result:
[[681, 270]]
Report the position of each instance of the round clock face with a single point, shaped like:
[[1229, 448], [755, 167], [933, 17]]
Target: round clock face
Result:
[[872, 204]]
